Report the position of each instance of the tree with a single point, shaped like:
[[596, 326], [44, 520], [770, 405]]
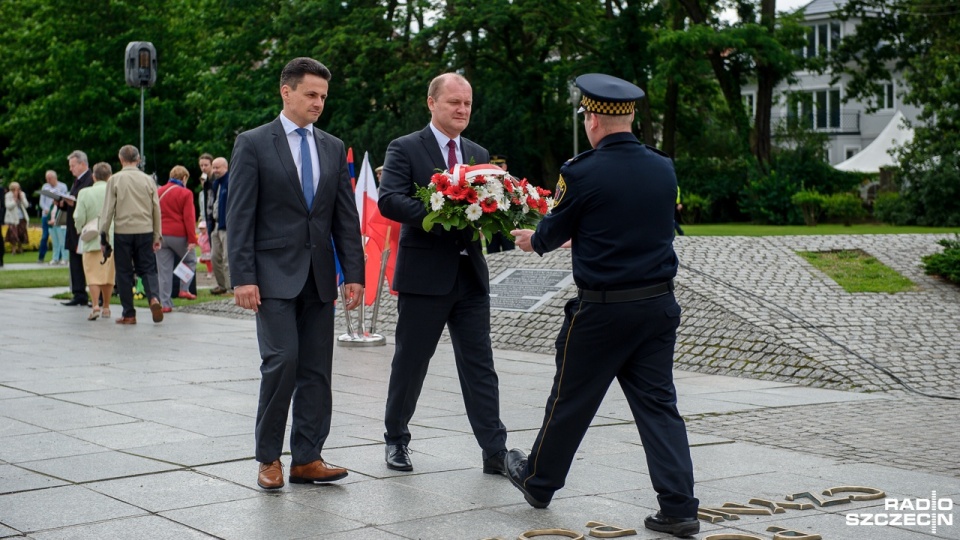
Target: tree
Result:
[[921, 40]]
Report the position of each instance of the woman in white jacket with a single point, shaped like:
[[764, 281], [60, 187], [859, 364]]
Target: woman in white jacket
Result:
[[16, 218]]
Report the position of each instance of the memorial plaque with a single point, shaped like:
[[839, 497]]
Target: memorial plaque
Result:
[[526, 289]]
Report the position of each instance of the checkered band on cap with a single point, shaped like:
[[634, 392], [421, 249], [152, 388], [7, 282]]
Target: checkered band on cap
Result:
[[607, 107]]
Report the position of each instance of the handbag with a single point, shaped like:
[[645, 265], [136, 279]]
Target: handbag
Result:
[[90, 231], [61, 220]]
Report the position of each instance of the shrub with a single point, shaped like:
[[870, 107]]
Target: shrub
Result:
[[718, 181], [947, 263], [766, 199], [932, 187], [695, 208], [844, 207], [810, 203], [892, 208]]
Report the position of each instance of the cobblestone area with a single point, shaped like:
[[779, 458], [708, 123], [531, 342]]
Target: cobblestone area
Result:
[[907, 433]]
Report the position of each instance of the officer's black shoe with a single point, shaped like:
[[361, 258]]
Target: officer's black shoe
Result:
[[75, 302], [676, 526], [516, 464], [397, 457], [494, 464]]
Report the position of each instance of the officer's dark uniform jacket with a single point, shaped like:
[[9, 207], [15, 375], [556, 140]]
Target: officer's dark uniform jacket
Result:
[[616, 203]]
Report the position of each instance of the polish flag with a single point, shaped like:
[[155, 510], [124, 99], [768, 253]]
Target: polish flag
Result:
[[375, 228]]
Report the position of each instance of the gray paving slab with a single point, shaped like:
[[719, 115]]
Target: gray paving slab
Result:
[[173, 490], [44, 445], [13, 479], [101, 466], [262, 518], [60, 507], [135, 528]]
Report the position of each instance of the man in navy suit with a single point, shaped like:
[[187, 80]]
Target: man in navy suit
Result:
[[442, 279], [289, 195]]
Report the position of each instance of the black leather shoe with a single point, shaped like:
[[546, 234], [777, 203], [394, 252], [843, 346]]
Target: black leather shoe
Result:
[[398, 457], [494, 464], [516, 465], [676, 526], [75, 302]]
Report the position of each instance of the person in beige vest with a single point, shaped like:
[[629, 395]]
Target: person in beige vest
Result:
[[133, 208]]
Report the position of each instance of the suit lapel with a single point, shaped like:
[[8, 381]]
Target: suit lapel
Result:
[[286, 159], [432, 146]]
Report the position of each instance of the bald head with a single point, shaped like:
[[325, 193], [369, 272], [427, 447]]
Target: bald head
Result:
[[219, 167]]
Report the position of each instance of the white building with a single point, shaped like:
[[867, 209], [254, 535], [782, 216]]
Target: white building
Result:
[[814, 103]]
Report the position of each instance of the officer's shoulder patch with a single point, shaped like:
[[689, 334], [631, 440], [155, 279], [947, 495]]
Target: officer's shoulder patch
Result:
[[560, 191], [579, 156], [657, 151]]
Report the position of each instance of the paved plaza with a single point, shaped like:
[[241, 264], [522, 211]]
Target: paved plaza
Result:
[[789, 385]]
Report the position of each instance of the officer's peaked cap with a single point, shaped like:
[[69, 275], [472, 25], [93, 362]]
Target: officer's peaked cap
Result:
[[605, 94]]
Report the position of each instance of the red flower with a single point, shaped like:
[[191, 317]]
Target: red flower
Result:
[[441, 181], [456, 192], [507, 185], [543, 206], [471, 195], [488, 206]]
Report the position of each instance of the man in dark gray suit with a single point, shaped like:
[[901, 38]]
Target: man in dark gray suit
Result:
[[289, 195], [442, 278]]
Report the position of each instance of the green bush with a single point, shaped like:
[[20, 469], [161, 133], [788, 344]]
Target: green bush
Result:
[[893, 209], [766, 199], [695, 208], [947, 263], [718, 181], [844, 207], [932, 187], [810, 203]]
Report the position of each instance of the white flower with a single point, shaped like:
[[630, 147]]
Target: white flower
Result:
[[436, 201], [474, 212], [503, 203], [532, 191]]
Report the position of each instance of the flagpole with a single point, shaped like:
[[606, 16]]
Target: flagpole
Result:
[[384, 257]]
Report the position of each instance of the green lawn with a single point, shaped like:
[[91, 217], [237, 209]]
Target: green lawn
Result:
[[858, 271], [749, 229], [57, 276]]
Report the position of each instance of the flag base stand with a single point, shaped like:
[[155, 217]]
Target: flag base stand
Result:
[[366, 340]]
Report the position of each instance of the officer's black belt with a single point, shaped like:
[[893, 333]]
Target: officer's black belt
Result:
[[626, 295]]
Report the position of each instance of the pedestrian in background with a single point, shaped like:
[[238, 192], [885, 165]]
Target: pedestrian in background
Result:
[[178, 226], [83, 178], [132, 207], [46, 212], [616, 203], [100, 276], [16, 218]]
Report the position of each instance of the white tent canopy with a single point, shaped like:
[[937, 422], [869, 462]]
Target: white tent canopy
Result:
[[877, 154]]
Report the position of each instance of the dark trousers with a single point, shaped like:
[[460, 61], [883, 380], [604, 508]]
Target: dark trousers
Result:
[[296, 351], [78, 281], [44, 236], [133, 252], [632, 342], [466, 312]]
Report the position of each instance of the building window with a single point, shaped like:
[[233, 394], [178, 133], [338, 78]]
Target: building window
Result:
[[886, 98], [750, 103], [822, 38], [819, 109], [850, 151]]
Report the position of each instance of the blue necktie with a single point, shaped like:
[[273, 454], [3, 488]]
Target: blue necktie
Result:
[[306, 167]]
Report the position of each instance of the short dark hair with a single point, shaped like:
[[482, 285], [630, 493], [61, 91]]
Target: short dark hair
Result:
[[295, 70]]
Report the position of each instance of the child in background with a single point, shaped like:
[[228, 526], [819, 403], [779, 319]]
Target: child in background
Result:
[[204, 240]]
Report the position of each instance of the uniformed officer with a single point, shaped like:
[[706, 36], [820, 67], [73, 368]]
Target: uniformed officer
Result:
[[615, 202]]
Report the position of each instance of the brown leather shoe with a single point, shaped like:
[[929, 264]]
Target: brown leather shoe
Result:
[[156, 310], [271, 475], [318, 471], [127, 320]]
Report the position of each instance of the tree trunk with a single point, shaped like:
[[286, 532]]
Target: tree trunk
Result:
[[767, 78]]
